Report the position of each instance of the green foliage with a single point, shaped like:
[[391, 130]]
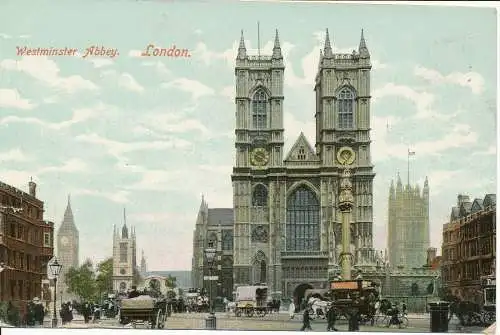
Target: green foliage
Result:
[[171, 282], [86, 284]]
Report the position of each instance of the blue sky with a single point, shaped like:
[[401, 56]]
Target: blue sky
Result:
[[154, 133]]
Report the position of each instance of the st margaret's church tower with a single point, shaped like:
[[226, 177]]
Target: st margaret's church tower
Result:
[[287, 227]]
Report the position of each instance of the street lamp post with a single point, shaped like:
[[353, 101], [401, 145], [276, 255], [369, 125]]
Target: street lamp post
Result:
[[55, 269], [210, 254]]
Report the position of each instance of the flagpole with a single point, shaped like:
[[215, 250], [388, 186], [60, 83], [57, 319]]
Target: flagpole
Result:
[[408, 167], [258, 38]]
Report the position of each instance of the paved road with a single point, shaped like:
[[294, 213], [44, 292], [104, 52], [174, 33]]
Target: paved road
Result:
[[417, 323]]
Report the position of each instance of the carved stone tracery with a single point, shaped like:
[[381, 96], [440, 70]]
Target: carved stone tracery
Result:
[[260, 234]]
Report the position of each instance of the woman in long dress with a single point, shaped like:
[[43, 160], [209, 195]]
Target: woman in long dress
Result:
[[291, 310]]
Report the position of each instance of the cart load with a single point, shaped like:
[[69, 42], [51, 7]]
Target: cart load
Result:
[[144, 309], [251, 300]]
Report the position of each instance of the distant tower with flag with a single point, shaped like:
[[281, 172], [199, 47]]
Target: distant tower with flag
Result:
[[408, 226], [124, 257]]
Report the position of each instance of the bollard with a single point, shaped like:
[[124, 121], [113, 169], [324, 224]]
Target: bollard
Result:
[[439, 316], [211, 322]]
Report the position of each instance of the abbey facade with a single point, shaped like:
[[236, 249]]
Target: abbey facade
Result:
[[286, 222]]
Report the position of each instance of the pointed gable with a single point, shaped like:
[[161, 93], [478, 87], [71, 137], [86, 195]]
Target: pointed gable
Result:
[[490, 200], [477, 205], [301, 151], [465, 208]]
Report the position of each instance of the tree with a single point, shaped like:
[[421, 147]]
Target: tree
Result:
[[171, 282], [81, 281], [104, 280]]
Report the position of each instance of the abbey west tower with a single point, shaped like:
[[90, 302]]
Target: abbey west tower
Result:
[[287, 227]]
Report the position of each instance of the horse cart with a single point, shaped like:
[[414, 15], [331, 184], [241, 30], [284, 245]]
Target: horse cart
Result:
[[144, 309], [251, 300]]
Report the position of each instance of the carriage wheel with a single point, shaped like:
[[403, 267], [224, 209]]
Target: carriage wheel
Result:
[[403, 322], [160, 319], [249, 311], [237, 312], [261, 312]]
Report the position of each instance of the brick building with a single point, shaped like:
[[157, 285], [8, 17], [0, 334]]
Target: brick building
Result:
[[26, 244], [468, 250]]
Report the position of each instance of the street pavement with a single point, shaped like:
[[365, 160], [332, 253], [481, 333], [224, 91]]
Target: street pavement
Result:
[[280, 321]]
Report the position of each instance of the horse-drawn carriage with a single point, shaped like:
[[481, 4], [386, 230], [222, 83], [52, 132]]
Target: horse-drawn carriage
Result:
[[251, 300], [144, 309], [361, 294]]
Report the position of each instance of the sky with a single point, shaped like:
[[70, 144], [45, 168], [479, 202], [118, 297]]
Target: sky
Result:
[[152, 134]]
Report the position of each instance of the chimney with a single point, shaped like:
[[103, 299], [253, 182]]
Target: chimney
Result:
[[431, 255], [32, 188]]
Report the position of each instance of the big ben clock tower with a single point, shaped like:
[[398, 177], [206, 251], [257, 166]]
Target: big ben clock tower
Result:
[[67, 247]]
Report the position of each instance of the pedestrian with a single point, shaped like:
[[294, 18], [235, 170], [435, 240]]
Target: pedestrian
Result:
[[291, 310], [331, 317], [306, 321]]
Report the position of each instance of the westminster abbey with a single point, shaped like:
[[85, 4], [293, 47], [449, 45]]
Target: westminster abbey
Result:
[[286, 225]]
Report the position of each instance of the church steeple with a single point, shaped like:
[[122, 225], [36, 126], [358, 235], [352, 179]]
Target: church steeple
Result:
[[242, 50], [124, 228]]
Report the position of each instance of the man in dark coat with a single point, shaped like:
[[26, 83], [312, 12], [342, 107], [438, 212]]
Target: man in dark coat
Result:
[[331, 317], [134, 293], [306, 321]]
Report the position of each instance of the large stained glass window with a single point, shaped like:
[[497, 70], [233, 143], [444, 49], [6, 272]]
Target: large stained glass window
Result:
[[302, 221]]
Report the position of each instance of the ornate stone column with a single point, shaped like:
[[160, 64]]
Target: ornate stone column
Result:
[[346, 157]]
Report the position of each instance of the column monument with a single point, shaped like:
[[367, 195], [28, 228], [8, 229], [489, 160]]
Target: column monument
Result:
[[346, 157]]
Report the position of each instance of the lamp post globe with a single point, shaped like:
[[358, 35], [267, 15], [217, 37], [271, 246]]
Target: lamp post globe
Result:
[[55, 270]]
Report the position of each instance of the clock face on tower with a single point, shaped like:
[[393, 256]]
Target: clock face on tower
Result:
[[259, 157], [64, 241], [122, 271]]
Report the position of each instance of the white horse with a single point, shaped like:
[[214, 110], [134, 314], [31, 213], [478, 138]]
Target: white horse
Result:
[[318, 307]]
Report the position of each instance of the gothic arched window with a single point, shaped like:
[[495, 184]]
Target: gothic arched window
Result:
[[227, 240], [345, 100], [302, 221], [259, 197], [259, 109]]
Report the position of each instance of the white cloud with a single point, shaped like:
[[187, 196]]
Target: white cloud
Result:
[[47, 71], [229, 92], [135, 53], [128, 82], [159, 66], [72, 165], [439, 179], [198, 31], [423, 100], [173, 123], [100, 62], [117, 148], [460, 136], [6, 36], [195, 88], [293, 128], [79, 115], [490, 151], [118, 196], [472, 80], [13, 155], [11, 98]]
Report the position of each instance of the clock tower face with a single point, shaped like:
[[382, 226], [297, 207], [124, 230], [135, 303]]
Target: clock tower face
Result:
[[122, 271], [259, 157], [64, 241]]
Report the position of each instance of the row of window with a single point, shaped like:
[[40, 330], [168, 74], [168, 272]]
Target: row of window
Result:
[[21, 261], [20, 290], [32, 235], [467, 271], [345, 107]]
